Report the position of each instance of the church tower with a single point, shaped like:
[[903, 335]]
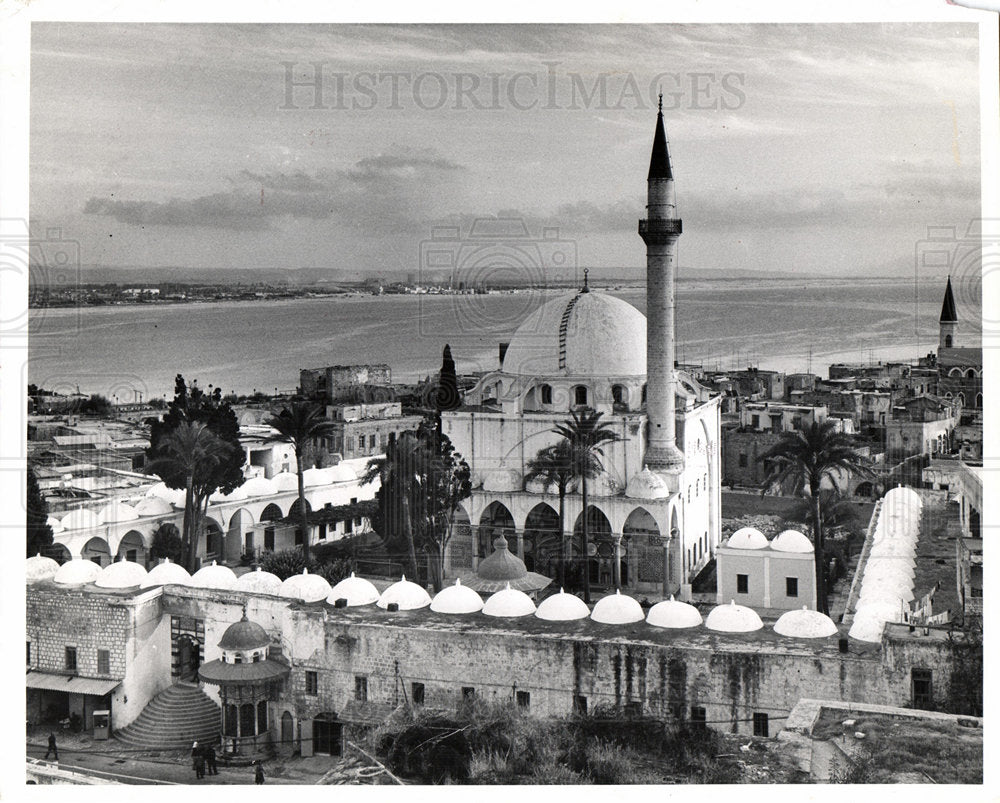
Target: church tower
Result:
[[660, 231], [948, 324]]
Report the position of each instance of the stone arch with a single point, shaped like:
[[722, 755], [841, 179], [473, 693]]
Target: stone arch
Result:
[[581, 396], [619, 397], [495, 520], [133, 548], [601, 545], [542, 539], [971, 374], [239, 538], [961, 398], [955, 372], [97, 550], [979, 400], [58, 552], [271, 513], [213, 539], [461, 545], [295, 507]]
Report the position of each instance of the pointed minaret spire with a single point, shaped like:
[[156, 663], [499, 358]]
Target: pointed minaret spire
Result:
[[659, 160], [948, 323]]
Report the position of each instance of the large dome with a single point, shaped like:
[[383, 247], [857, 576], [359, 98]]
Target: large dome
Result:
[[580, 334]]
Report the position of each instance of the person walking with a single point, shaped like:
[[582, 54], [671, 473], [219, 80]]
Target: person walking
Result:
[[52, 747], [210, 760], [258, 775], [198, 759]]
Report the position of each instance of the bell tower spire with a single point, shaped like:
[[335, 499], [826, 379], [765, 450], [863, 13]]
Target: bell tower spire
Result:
[[948, 324], [660, 231]]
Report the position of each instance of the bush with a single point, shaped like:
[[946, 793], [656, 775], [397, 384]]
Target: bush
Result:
[[333, 571], [284, 563]]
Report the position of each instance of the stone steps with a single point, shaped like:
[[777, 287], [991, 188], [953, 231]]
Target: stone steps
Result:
[[172, 720]]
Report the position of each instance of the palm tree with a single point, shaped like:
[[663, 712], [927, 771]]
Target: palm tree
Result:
[[585, 433], [803, 459], [192, 450], [553, 465], [301, 425]]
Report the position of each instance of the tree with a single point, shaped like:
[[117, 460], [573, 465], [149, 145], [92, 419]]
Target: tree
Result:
[[196, 445], [586, 433], [803, 459], [423, 481], [167, 543], [300, 425], [38, 530], [446, 396], [553, 465]]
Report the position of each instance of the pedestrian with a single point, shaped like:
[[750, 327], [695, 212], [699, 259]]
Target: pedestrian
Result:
[[198, 759], [52, 747], [210, 759], [258, 775]]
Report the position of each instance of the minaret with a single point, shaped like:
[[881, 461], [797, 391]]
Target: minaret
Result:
[[949, 320], [660, 231]]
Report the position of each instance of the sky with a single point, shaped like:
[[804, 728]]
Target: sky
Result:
[[819, 149]]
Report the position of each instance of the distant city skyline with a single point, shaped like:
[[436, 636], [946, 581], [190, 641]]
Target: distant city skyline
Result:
[[821, 149]]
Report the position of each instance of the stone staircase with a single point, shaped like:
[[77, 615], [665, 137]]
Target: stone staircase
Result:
[[173, 719]]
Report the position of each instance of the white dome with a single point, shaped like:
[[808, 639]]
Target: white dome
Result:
[[77, 572], [562, 607], [906, 495], [285, 481], [867, 628], [881, 594], [356, 590], [214, 576], [55, 524], [166, 574], [173, 496], [341, 473], [733, 618], [39, 568], [673, 614], [258, 582], [647, 484], [306, 587], [312, 477], [617, 609], [791, 541], [509, 602], [805, 623], [890, 548], [154, 506], [747, 538], [258, 486], [601, 336], [884, 609], [81, 519], [408, 596], [116, 512], [502, 480], [456, 599], [236, 495], [121, 574]]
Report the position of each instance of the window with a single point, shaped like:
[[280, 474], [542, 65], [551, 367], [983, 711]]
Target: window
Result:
[[698, 715], [361, 443], [298, 536], [27, 651], [755, 421], [468, 693], [321, 535], [71, 659], [742, 584], [312, 683], [372, 441], [922, 681], [580, 704], [523, 699], [103, 662], [546, 394], [743, 460], [360, 688], [580, 395], [417, 693], [759, 724], [791, 586], [256, 658], [618, 394], [237, 658]]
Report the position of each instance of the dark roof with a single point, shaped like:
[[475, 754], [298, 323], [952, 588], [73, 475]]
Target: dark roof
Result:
[[244, 635], [948, 314], [219, 672], [659, 161]]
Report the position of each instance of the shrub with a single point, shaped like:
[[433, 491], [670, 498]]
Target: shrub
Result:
[[284, 563]]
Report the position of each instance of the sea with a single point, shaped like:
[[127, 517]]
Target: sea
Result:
[[130, 352]]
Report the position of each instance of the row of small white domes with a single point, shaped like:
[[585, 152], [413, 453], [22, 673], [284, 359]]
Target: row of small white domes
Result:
[[161, 500], [785, 541]]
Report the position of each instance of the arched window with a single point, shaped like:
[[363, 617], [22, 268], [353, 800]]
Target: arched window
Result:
[[970, 374], [979, 400], [643, 394], [956, 372], [546, 394], [947, 341], [580, 395], [618, 395]]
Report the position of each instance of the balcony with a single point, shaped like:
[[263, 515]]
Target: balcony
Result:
[[660, 227]]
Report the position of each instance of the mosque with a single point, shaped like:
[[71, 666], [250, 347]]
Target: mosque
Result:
[[654, 512]]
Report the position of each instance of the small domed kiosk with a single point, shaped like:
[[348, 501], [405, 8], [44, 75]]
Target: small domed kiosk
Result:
[[562, 607], [456, 599], [355, 590], [674, 614], [248, 678], [165, 574], [617, 609], [502, 569]]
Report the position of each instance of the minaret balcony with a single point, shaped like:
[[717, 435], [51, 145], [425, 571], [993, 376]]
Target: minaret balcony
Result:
[[660, 227]]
